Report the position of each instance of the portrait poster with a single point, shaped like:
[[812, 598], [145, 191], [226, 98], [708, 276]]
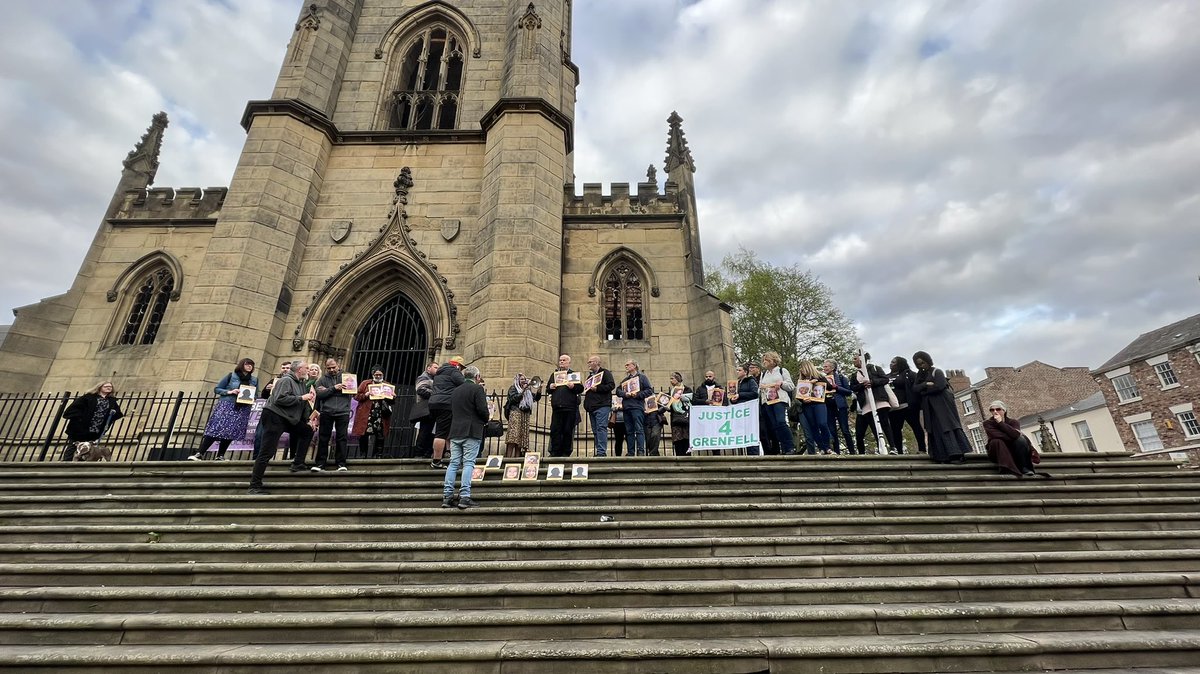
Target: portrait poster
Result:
[[375, 391], [349, 383], [773, 395], [818, 392], [616, 402], [560, 377], [512, 471], [531, 465], [555, 472], [387, 391], [631, 386], [246, 395], [718, 396], [477, 473], [731, 387], [574, 378], [492, 410], [495, 461], [579, 471], [804, 390], [593, 381], [664, 400], [651, 404]]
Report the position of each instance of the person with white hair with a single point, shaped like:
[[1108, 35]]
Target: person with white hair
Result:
[[469, 414], [1007, 447]]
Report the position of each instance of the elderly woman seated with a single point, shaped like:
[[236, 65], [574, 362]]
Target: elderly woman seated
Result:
[[1006, 446]]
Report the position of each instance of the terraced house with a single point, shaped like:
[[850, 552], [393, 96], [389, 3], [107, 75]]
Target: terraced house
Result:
[[1152, 387]]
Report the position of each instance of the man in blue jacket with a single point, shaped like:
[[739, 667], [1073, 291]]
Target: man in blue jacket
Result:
[[837, 406]]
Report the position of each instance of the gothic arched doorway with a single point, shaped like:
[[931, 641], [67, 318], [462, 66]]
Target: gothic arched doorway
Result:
[[394, 337]]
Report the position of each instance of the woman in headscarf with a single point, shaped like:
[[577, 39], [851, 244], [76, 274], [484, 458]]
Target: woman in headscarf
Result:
[[947, 441], [909, 409], [373, 418], [517, 409], [90, 415]]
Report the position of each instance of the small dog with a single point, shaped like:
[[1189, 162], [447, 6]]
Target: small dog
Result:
[[92, 451]]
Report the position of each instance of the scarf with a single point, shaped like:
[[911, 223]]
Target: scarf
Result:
[[526, 403]]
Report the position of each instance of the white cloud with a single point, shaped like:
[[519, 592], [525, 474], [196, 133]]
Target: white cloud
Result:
[[992, 181]]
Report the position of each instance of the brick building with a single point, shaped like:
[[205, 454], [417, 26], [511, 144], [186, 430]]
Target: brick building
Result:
[[1027, 391], [406, 192], [1152, 388]]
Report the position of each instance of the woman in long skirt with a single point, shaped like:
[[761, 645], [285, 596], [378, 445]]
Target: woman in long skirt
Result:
[[517, 410], [229, 417], [947, 441]]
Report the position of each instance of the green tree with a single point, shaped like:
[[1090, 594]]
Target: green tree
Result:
[[784, 309]]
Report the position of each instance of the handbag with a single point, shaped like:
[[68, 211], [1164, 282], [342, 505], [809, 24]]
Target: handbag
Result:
[[1035, 457], [891, 395], [493, 429]]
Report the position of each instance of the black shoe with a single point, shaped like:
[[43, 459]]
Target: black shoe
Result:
[[1028, 473], [466, 502], [958, 460], [301, 468], [437, 465], [257, 490], [449, 502]]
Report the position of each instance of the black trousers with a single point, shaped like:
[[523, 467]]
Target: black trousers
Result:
[[329, 424], [275, 426], [424, 449], [562, 430], [911, 416], [865, 421]]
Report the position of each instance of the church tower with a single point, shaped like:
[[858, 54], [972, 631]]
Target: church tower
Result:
[[405, 194]]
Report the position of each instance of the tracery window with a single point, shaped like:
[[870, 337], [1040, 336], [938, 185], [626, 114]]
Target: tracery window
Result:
[[623, 304], [430, 84], [147, 307]]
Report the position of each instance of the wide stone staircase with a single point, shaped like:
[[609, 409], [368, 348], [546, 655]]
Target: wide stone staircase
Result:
[[717, 564]]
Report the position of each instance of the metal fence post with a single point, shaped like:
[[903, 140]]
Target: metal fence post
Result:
[[62, 406], [170, 427]]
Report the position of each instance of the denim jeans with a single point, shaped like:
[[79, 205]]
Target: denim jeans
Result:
[[599, 419], [816, 427], [463, 452], [635, 434], [777, 426], [839, 417]]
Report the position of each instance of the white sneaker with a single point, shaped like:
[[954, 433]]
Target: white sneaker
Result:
[[194, 457], [342, 469], [220, 458], [317, 469]]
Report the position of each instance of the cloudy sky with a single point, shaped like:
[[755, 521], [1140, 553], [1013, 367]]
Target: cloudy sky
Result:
[[993, 182]]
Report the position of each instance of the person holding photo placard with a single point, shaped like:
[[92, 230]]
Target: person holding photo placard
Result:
[[565, 390], [775, 390], [518, 408], [228, 420], [334, 407], [680, 409], [633, 391], [814, 419], [597, 402], [837, 407]]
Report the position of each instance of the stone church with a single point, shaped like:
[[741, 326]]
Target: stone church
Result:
[[406, 193]]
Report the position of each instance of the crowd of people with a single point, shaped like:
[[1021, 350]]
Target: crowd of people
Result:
[[451, 412]]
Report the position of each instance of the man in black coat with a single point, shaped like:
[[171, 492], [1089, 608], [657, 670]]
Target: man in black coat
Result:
[[597, 402], [564, 407], [469, 408], [448, 377], [333, 404], [285, 413]]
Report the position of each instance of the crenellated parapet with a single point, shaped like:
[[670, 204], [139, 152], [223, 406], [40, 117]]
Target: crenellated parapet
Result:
[[622, 200], [181, 206]]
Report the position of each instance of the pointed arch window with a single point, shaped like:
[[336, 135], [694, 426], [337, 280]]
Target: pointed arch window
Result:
[[624, 304], [147, 307], [430, 83]]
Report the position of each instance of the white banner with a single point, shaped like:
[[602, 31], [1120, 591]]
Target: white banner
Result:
[[716, 428]]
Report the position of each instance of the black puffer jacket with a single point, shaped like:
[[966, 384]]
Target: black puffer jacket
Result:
[[448, 378]]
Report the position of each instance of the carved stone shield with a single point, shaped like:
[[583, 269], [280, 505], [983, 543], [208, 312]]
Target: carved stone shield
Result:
[[450, 229], [340, 230]]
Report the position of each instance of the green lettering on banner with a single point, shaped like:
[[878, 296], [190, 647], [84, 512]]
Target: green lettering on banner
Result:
[[726, 428]]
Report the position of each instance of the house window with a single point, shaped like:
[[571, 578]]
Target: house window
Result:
[[1147, 435], [968, 406], [1166, 375], [148, 305], [430, 84], [1085, 436], [977, 439], [1126, 388], [623, 304], [1191, 427]]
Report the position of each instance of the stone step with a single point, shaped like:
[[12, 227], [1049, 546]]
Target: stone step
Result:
[[851, 620], [314, 495], [676, 568], [274, 508], [440, 548], [482, 529], [866, 654], [371, 484], [489, 591]]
